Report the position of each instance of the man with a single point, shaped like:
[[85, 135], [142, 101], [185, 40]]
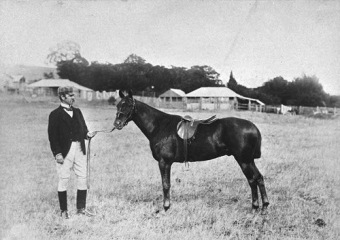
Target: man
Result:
[[67, 132]]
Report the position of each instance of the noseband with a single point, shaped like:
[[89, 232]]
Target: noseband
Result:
[[129, 115]]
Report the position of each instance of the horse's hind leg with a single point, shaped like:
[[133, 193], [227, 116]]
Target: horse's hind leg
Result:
[[255, 179], [165, 169], [260, 184], [250, 174]]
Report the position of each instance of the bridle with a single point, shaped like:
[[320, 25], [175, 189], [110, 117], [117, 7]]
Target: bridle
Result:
[[129, 114]]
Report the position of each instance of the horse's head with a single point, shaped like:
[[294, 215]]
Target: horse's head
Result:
[[125, 110]]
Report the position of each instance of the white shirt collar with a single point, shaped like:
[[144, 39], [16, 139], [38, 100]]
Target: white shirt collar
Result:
[[65, 105]]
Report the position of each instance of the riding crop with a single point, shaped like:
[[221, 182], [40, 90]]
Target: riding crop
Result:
[[89, 154]]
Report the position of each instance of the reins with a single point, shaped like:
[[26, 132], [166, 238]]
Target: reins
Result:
[[89, 153], [129, 117]]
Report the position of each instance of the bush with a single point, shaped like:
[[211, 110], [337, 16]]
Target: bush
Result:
[[112, 100]]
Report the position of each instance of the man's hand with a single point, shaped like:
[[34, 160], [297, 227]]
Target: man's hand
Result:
[[91, 134], [59, 158]]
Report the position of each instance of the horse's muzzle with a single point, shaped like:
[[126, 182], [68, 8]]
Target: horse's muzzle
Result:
[[118, 124]]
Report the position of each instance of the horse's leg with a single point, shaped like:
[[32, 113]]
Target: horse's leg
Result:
[[260, 184], [165, 169], [248, 171]]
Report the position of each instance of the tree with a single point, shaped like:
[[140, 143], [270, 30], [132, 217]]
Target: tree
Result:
[[277, 87], [232, 82], [307, 91], [133, 58], [160, 78], [334, 101], [66, 51], [49, 75], [179, 75]]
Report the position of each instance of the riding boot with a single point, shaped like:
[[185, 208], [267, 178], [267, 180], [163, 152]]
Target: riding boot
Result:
[[63, 200], [81, 204], [81, 199], [63, 204]]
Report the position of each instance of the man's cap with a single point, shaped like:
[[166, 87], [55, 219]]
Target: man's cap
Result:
[[65, 90]]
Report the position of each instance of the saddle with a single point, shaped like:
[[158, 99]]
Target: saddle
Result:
[[186, 130]]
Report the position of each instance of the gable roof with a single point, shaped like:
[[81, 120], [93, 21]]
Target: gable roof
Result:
[[218, 92], [213, 92], [58, 83], [172, 92], [17, 78]]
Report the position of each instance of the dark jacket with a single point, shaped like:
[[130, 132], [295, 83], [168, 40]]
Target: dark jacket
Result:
[[60, 130]]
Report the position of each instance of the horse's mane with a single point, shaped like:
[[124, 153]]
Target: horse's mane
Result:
[[155, 110]]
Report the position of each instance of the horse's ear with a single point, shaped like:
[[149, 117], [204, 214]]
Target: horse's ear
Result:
[[121, 94], [130, 93]]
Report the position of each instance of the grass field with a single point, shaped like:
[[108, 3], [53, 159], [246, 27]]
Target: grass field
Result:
[[210, 200]]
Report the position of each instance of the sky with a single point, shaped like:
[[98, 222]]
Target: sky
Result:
[[255, 39]]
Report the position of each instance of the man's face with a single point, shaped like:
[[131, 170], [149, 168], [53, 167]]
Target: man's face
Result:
[[68, 98]]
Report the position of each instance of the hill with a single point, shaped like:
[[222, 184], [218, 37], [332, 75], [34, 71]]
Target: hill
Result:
[[30, 73]]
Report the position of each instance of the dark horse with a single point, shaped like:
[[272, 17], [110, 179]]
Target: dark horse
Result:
[[225, 136]]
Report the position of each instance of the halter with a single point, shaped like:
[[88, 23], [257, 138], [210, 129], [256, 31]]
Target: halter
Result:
[[129, 115]]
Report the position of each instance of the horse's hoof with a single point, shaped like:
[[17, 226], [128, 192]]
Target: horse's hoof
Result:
[[166, 208], [254, 210], [264, 210], [255, 207]]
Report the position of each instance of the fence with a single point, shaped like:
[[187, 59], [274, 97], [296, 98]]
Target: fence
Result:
[[184, 105], [301, 110], [277, 109]]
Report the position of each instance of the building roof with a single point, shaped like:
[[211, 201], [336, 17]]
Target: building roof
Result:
[[58, 83], [213, 92], [172, 92], [218, 92], [17, 78]]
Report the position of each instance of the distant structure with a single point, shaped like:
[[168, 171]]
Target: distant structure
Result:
[[49, 87], [12, 83], [15, 78], [221, 98], [172, 98]]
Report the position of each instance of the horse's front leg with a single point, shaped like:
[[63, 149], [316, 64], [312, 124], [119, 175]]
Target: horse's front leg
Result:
[[165, 169]]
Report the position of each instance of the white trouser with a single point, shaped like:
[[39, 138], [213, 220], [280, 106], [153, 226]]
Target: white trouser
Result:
[[76, 161]]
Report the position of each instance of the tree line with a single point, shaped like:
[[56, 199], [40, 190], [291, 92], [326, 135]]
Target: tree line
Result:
[[302, 91], [136, 74]]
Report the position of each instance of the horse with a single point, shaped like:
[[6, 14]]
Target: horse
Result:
[[224, 136]]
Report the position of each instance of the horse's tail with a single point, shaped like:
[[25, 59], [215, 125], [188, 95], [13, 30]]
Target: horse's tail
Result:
[[257, 151]]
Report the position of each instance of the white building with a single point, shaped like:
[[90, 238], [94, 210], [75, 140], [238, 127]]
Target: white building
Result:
[[49, 87], [212, 98], [173, 98]]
